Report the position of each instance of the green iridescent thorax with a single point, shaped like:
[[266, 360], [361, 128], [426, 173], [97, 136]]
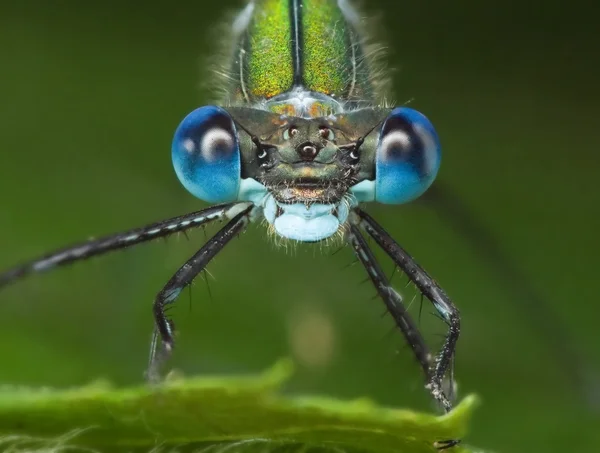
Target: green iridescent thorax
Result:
[[267, 51], [299, 57], [331, 52]]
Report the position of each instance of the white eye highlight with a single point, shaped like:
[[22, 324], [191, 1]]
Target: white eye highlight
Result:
[[326, 133], [216, 143], [189, 145], [395, 145], [290, 132]]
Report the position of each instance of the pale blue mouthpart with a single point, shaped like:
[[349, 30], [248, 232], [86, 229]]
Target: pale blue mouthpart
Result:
[[305, 224]]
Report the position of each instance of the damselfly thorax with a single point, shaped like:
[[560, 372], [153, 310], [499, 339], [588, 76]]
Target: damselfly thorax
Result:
[[301, 137]]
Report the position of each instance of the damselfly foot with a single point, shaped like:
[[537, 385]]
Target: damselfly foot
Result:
[[436, 389], [160, 353]]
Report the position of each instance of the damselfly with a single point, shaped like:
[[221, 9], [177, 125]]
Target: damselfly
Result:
[[301, 138]]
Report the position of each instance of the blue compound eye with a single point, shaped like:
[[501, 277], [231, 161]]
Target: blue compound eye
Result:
[[408, 157], [206, 155]]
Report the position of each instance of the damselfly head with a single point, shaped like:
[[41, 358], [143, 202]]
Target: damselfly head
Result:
[[306, 173]]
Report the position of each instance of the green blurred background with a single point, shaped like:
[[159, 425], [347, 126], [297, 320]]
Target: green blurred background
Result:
[[90, 94]]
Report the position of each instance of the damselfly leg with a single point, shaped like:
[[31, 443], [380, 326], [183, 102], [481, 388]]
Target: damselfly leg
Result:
[[432, 291], [162, 338], [434, 368], [95, 247]]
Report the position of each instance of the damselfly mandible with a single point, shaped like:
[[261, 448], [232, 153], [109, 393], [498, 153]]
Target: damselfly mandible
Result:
[[301, 138]]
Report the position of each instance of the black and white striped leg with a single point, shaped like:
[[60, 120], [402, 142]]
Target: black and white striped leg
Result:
[[430, 289], [162, 339], [392, 300], [95, 247]]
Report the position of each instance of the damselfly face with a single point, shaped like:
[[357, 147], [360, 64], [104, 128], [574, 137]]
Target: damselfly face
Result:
[[304, 175]]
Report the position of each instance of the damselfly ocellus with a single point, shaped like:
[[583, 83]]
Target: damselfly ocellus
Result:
[[301, 138]]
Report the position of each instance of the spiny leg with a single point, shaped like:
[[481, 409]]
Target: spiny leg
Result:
[[431, 290], [392, 300], [456, 213], [94, 247], [162, 338]]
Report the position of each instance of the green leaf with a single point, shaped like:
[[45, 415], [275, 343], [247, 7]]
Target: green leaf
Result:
[[231, 414]]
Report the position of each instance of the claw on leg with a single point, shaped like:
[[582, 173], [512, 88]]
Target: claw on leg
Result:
[[435, 388]]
